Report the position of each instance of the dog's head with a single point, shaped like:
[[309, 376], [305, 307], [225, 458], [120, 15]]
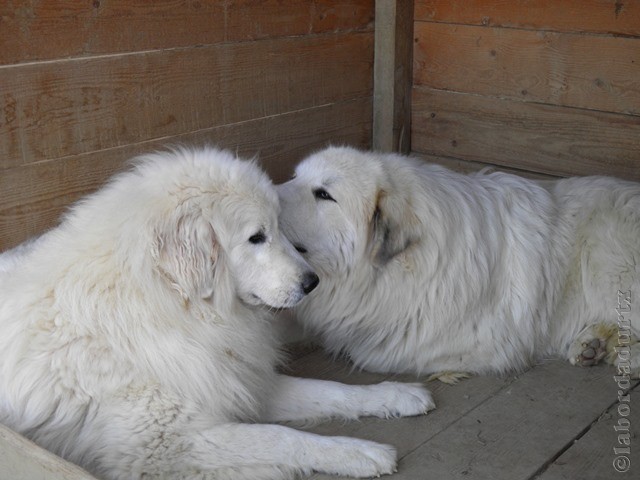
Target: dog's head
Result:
[[344, 206], [215, 227]]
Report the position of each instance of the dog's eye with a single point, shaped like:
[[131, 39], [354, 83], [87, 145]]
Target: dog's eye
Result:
[[322, 194], [257, 238]]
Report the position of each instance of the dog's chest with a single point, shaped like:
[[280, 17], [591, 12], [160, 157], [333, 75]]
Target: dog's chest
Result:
[[226, 373]]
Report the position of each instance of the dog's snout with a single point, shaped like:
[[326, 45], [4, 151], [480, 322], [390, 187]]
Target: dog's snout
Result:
[[309, 282]]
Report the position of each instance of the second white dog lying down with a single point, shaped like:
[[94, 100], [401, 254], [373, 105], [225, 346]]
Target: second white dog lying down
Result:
[[426, 270], [135, 341]]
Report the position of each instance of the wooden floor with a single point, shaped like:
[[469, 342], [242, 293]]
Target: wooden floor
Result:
[[554, 421]]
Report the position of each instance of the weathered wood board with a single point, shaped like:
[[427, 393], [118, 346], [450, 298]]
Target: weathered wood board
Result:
[[70, 107], [86, 85], [34, 31], [23, 459], [571, 70], [541, 85], [581, 16], [527, 136], [34, 196], [546, 421]]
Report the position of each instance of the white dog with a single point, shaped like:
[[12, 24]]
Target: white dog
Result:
[[135, 338], [426, 270]]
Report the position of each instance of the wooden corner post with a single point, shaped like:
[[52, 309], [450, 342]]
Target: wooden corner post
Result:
[[392, 71]]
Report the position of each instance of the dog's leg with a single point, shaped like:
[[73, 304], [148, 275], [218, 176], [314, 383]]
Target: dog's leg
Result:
[[152, 435], [307, 399], [252, 447]]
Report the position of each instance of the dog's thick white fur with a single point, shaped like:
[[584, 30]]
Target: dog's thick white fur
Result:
[[426, 270], [135, 338]]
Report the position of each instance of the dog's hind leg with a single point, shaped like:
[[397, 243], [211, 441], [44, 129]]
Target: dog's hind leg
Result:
[[302, 399]]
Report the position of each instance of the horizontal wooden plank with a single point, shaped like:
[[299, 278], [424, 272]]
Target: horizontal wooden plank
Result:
[[512, 434], [527, 136], [32, 197], [31, 31], [592, 456], [585, 71], [597, 16], [466, 167], [66, 108]]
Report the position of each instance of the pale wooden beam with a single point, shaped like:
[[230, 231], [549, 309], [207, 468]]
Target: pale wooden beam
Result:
[[392, 75]]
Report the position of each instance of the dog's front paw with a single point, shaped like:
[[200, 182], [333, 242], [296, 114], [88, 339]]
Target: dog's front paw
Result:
[[397, 399], [363, 459]]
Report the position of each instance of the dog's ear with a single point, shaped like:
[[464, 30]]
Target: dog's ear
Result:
[[393, 227], [185, 251]]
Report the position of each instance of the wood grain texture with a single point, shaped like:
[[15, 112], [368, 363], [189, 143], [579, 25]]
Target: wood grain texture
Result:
[[393, 76], [406, 434], [516, 431], [591, 456], [31, 31], [467, 167], [403, 77], [21, 458], [67, 108], [384, 76], [32, 197], [528, 136], [596, 16], [585, 71], [485, 427]]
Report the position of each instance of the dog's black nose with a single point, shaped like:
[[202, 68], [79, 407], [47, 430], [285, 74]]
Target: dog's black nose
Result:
[[309, 282]]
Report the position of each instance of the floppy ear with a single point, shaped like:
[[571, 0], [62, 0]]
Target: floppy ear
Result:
[[185, 251], [394, 227]]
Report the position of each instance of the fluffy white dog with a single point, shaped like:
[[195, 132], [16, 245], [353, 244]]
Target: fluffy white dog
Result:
[[426, 270], [135, 336]]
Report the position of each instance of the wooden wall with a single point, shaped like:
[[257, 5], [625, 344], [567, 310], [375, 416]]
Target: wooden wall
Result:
[[548, 86], [87, 84]]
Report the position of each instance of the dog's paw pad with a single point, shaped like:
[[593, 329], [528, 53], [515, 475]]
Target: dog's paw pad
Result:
[[592, 353]]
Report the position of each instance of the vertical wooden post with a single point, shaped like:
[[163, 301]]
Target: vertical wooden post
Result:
[[384, 75], [392, 72]]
